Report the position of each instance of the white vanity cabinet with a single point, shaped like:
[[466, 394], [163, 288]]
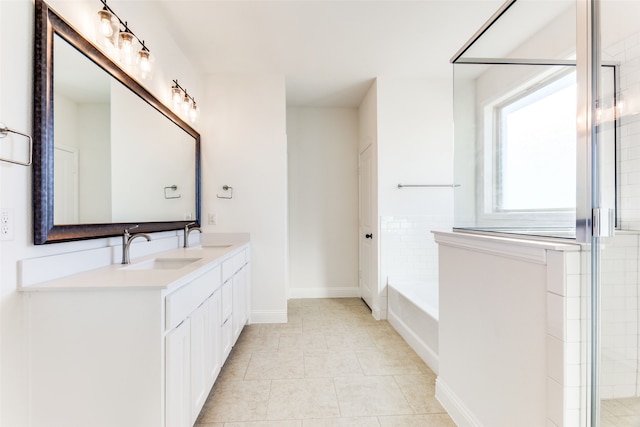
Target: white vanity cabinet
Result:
[[235, 298], [191, 367], [240, 285], [178, 376], [144, 355]]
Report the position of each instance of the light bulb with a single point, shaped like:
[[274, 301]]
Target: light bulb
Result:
[[107, 30], [126, 47], [144, 62], [106, 27], [194, 112], [186, 104], [176, 98]]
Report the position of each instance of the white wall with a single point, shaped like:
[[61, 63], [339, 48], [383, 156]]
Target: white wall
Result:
[[323, 202], [94, 164], [245, 146], [16, 57], [415, 146]]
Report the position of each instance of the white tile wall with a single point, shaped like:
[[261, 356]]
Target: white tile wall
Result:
[[620, 316], [408, 250]]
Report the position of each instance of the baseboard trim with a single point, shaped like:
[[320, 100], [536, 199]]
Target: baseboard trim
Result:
[[268, 316], [425, 352], [324, 292], [454, 406]]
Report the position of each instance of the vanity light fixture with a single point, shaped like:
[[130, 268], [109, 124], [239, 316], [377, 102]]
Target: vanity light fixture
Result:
[[183, 103], [118, 38]]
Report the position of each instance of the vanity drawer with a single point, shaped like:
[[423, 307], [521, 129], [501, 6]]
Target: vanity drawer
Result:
[[233, 264], [181, 303], [228, 269]]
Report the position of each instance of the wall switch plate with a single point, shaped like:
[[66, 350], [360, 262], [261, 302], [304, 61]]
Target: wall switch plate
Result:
[[6, 224], [213, 219]]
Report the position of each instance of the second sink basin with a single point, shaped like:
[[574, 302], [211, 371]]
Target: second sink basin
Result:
[[162, 264]]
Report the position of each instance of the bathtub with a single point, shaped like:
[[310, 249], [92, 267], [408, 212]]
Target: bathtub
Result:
[[413, 312]]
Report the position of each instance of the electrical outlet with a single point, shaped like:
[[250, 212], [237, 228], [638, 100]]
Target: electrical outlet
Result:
[[6, 224], [213, 219]]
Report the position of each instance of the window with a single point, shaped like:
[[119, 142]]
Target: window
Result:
[[535, 148]]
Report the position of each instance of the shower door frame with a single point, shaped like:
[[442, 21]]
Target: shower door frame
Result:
[[588, 219]]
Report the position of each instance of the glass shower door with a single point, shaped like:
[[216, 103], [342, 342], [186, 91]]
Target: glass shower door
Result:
[[617, 277]]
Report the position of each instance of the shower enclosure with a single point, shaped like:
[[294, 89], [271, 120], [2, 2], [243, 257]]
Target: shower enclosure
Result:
[[547, 146]]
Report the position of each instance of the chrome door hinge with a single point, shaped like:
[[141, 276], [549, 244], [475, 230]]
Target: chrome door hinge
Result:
[[602, 222]]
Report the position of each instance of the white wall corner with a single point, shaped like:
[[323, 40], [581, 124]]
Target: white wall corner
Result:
[[454, 406]]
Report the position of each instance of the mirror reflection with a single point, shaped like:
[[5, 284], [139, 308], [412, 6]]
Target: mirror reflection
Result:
[[116, 158]]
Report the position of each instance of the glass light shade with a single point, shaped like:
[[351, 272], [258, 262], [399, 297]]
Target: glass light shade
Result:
[[126, 47], [176, 98], [144, 63], [186, 104], [194, 113], [107, 28]]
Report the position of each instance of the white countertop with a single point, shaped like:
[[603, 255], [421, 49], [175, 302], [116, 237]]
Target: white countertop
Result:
[[119, 276]]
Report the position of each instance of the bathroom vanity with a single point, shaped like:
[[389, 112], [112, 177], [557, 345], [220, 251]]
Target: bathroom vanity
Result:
[[135, 345]]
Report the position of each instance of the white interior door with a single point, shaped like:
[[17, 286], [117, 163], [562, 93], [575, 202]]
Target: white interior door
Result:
[[366, 226]]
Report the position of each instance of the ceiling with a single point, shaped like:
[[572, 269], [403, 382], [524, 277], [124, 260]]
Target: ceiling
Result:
[[328, 50]]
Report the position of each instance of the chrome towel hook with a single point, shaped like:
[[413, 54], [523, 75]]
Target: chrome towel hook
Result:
[[4, 131], [226, 188]]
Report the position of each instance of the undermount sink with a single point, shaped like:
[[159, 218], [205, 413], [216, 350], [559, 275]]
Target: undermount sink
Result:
[[162, 264]]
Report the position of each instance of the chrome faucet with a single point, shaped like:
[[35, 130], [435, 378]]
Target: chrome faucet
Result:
[[126, 242], [187, 231]]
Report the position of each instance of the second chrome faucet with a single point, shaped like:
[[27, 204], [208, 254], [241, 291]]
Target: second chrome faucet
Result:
[[127, 238], [188, 231]]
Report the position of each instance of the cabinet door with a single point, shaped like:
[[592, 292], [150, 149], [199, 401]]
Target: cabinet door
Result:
[[239, 303], [215, 363], [178, 376], [200, 359], [226, 336]]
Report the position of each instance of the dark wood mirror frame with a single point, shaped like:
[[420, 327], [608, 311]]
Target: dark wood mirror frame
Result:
[[48, 23]]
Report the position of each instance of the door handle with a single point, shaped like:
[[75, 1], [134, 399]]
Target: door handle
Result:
[[369, 236]]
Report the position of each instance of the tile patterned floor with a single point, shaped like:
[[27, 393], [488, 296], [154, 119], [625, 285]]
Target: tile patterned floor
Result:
[[620, 413], [331, 365]]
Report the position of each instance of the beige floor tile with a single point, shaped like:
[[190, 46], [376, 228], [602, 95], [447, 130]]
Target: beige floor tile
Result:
[[304, 398], [237, 401], [331, 364], [354, 321], [366, 396], [278, 423], [350, 340], [386, 363], [272, 365], [343, 422], [431, 420], [258, 341], [633, 404], [419, 390], [322, 326], [283, 328], [235, 367], [305, 342], [387, 342]]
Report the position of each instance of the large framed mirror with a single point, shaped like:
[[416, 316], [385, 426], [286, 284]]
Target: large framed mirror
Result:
[[107, 153]]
